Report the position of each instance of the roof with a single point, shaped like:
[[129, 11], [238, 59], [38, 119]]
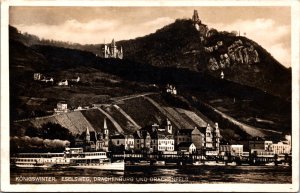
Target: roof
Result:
[[199, 130], [185, 144], [184, 131], [117, 137]]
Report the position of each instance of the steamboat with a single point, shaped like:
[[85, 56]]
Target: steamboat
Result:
[[71, 157]]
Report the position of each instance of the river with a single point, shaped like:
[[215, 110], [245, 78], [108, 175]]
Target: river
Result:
[[149, 174]]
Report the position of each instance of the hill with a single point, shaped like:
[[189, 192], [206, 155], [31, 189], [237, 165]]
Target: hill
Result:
[[101, 80], [179, 45]]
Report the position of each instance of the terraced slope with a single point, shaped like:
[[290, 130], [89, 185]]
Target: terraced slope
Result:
[[142, 111], [129, 115]]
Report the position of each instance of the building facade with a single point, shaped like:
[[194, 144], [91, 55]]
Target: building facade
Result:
[[111, 51]]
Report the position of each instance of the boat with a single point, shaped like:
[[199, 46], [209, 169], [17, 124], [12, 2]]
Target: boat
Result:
[[270, 164], [70, 158], [231, 164], [198, 163], [99, 165], [214, 163]]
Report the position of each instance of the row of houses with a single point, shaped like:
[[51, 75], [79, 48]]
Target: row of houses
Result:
[[155, 138], [258, 147], [44, 78], [163, 138]]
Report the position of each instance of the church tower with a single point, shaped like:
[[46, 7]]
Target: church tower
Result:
[[169, 126], [106, 133], [87, 135], [208, 137], [217, 137]]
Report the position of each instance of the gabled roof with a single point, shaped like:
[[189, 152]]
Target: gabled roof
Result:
[[199, 131], [185, 144]]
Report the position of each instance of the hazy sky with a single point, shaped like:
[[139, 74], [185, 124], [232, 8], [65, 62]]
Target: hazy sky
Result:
[[268, 26]]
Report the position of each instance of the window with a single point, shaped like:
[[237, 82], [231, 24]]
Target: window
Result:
[[118, 142]]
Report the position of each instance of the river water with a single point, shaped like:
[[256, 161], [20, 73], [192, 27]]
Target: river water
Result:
[[149, 174]]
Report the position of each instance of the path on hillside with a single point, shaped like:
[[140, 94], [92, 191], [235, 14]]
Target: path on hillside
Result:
[[116, 99], [253, 131], [127, 116], [163, 111], [114, 122]]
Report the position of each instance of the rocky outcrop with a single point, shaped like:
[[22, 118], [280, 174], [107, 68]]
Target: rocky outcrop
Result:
[[237, 53]]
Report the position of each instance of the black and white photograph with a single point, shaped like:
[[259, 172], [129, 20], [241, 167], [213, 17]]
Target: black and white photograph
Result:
[[150, 94]]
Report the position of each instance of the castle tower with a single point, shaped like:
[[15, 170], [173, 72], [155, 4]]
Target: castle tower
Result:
[[195, 17], [87, 135], [121, 53], [113, 49]]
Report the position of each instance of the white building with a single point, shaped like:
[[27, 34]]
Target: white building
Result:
[[63, 83], [234, 150], [187, 146], [162, 138], [61, 107], [281, 147], [37, 76]]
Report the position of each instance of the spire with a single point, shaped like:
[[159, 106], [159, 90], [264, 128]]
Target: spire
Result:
[[105, 125], [113, 43], [87, 131], [87, 134]]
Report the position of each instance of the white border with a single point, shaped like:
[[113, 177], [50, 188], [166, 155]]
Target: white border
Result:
[[5, 174]]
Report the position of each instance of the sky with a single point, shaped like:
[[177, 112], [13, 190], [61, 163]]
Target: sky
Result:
[[268, 26]]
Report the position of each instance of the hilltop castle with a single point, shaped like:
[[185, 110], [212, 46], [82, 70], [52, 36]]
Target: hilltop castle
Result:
[[202, 28], [111, 51]]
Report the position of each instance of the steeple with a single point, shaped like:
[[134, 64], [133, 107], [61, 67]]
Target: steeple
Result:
[[87, 134], [105, 129]]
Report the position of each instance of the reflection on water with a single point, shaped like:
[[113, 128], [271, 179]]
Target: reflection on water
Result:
[[147, 174]]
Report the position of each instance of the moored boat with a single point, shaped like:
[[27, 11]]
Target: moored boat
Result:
[[71, 157]]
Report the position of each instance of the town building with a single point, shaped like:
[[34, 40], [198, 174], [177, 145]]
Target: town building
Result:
[[63, 83], [61, 107], [129, 142], [111, 51], [118, 140], [75, 79], [162, 138], [37, 76], [233, 150], [171, 89], [183, 135], [198, 138], [187, 146], [281, 147], [260, 144]]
